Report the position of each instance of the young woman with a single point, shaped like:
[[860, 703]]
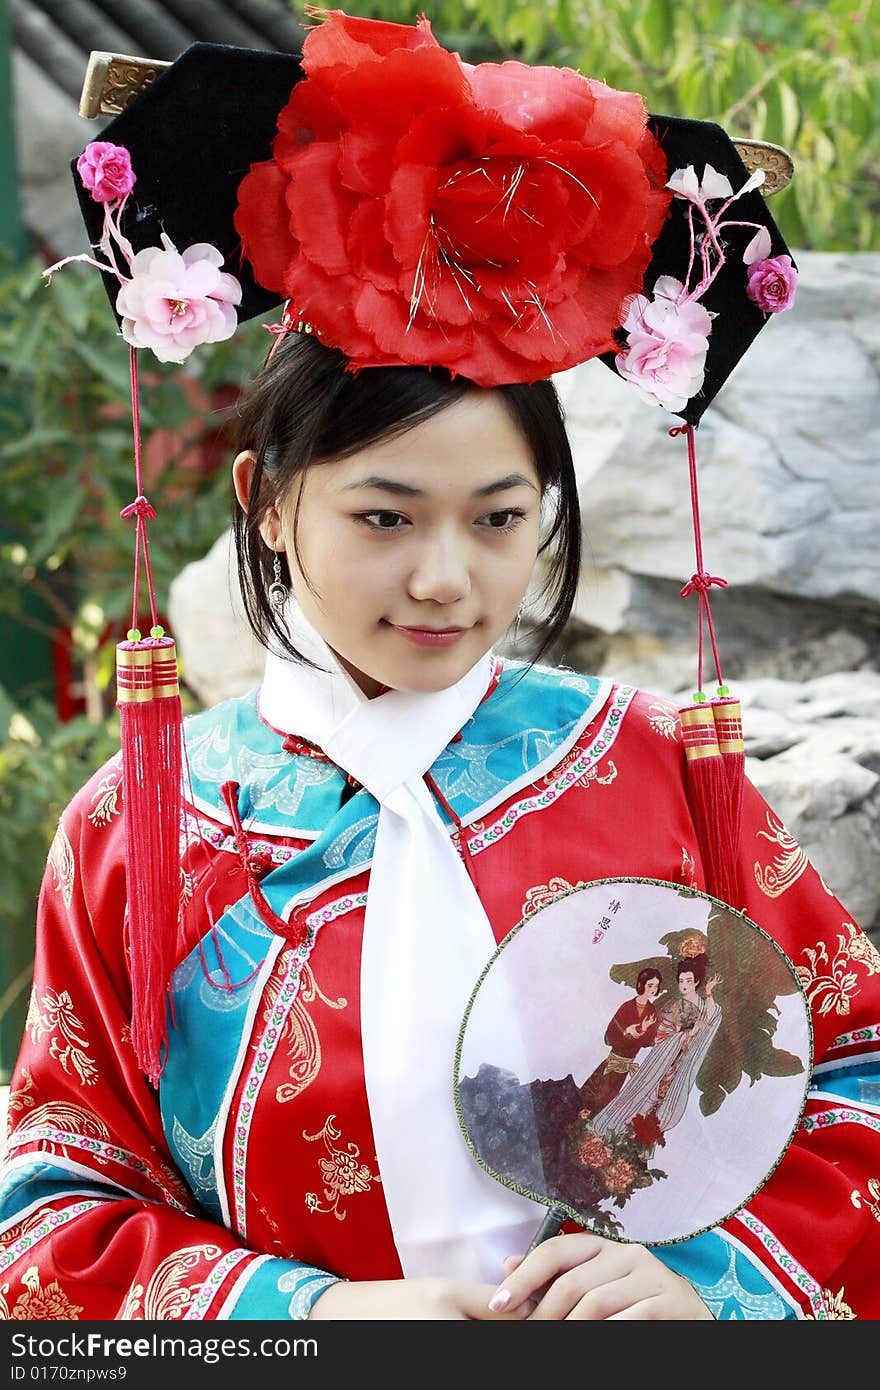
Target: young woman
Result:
[[357, 837]]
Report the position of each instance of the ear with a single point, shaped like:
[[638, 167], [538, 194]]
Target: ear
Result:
[[242, 479]]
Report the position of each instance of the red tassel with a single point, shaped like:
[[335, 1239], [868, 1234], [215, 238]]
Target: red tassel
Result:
[[710, 801], [727, 713], [151, 726]]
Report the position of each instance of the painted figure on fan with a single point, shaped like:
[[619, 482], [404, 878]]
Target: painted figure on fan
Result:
[[685, 1032], [632, 1028]]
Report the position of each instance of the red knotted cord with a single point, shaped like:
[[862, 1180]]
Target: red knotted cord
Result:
[[141, 507], [701, 581]]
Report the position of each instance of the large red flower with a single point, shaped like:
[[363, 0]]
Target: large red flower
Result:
[[419, 210]]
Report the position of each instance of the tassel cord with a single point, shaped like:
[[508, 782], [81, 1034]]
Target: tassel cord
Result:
[[701, 581], [141, 508]]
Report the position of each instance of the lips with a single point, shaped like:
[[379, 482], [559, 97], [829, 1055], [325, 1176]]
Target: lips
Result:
[[431, 636]]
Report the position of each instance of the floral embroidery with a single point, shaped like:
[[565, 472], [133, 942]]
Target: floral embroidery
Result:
[[663, 719], [62, 865], [290, 962], [836, 985], [342, 1173], [862, 949], [20, 1098], [787, 866], [688, 872], [64, 1115], [105, 802], [168, 1296], [873, 1205], [593, 775], [69, 1047], [304, 1046], [49, 1303], [803, 1282], [543, 894], [834, 1306], [562, 781], [198, 1309], [36, 1228]]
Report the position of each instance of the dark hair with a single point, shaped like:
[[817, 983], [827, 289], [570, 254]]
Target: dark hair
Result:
[[695, 964], [305, 407], [649, 973]]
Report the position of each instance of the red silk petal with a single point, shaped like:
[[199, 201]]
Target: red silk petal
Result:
[[370, 255], [345, 40], [385, 318], [262, 221], [551, 103], [319, 219]]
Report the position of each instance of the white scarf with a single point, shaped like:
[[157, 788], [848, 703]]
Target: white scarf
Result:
[[426, 940]]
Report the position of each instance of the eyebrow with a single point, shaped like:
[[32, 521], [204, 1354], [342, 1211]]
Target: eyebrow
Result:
[[405, 490]]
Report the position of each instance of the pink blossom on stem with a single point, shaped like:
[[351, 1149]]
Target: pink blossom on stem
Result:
[[174, 302], [667, 343], [772, 284], [106, 171]]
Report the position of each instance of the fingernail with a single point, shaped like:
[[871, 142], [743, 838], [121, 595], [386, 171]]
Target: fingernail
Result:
[[499, 1300]]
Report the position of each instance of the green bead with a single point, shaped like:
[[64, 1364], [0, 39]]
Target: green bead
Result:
[[157, 631], [133, 634], [699, 697]]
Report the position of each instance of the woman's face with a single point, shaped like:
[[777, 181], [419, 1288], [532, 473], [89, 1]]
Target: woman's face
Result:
[[687, 983], [433, 532]]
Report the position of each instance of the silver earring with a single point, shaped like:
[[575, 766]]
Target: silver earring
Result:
[[517, 620], [278, 591]]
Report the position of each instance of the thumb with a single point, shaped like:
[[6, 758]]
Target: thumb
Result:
[[511, 1263]]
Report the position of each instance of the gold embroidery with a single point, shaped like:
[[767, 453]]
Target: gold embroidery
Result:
[[593, 775], [13, 1234], [167, 1296], [105, 802], [61, 863], [862, 949], [835, 1308], [857, 1197], [837, 983], [50, 1303], [68, 1116], [20, 1098], [787, 866], [304, 1045], [545, 893], [663, 719], [129, 1310], [343, 1175], [688, 871], [60, 1015]]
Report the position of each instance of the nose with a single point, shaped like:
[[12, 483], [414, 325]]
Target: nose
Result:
[[442, 570]]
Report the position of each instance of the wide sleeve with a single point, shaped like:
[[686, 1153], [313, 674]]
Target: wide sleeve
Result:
[[808, 1245], [95, 1220]]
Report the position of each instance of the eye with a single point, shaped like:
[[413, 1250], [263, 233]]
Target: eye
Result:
[[382, 521], [503, 521]]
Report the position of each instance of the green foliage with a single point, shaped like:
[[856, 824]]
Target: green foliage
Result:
[[800, 73], [66, 464], [66, 451], [42, 764]]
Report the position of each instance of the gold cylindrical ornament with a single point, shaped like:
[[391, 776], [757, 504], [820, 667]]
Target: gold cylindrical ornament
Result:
[[698, 732], [134, 673]]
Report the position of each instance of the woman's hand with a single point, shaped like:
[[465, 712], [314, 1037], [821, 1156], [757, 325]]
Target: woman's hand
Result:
[[420, 1299], [584, 1277]]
